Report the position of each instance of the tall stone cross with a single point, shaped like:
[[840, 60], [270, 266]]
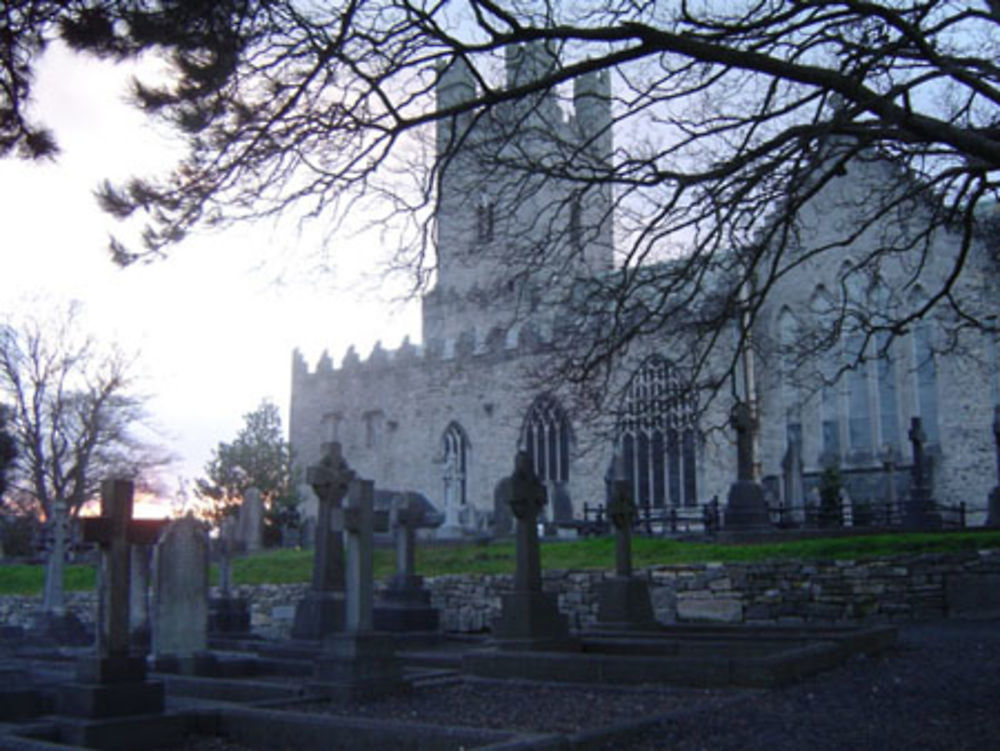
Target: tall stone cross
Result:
[[52, 596], [917, 438], [621, 511], [359, 520], [741, 419], [115, 531], [527, 497], [330, 480]]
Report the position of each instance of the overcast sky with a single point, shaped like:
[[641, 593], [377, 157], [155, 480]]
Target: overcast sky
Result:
[[217, 321]]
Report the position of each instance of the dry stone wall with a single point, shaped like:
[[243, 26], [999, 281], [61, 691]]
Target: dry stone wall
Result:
[[901, 588]]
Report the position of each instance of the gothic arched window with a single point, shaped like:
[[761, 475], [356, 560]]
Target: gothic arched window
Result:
[[658, 435], [546, 438], [456, 456]]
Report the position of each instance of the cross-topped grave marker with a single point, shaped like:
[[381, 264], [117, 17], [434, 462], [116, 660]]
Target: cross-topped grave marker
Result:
[[330, 480], [621, 511], [528, 614], [113, 684], [321, 611], [623, 601], [920, 512], [360, 521], [404, 605], [745, 506], [527, 497], [358, 662], [115, 531]]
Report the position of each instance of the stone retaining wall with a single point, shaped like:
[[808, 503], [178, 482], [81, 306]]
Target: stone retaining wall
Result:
[[911, 587]]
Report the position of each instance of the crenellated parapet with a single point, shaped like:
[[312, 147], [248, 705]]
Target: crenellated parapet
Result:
[[521, 340]]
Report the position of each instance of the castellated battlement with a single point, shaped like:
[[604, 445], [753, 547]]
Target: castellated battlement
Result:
[[516, 341]]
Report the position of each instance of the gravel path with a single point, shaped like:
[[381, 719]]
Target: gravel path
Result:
[[524, 706], [937, 690]]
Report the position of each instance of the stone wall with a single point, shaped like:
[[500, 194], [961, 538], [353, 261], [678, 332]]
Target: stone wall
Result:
[[901, 588]]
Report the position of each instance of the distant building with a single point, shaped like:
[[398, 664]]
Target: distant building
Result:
[[444, 418]]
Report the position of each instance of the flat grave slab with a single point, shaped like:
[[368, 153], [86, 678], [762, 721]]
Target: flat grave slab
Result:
[[688, 656]]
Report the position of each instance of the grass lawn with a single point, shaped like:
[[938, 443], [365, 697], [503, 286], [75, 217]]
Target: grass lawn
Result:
[[288, 566]]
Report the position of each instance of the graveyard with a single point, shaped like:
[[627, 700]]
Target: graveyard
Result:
[[175, 663]]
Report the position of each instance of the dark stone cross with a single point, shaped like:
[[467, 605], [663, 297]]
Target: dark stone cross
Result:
[[741, 419], [920, 510], [623, 601], [746, 507], [330, 480], [917, 438], [993, 503], [116, 531], [527, 497], [621, 511], [404, 605], [527, 613]]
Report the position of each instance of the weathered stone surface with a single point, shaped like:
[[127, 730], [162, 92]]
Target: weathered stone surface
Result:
[[180, 612], [973, 595], [709, 609]]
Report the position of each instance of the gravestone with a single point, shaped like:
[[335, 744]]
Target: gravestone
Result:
[[250, 525], [404, 605], [623, 600], [793, 485], [993, 519], [111, 703], [180, 620], [529, 617], [920, 511], [54, 622], [358, 663], [745, 506], [321, 611], [503, 519], [139, 585], [227, 614]]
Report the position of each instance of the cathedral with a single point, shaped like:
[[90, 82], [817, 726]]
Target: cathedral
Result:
[[445, 417]]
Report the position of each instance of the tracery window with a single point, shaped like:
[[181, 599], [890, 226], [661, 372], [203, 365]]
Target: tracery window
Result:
[[455, 447], [546, 437], [658, 436]]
